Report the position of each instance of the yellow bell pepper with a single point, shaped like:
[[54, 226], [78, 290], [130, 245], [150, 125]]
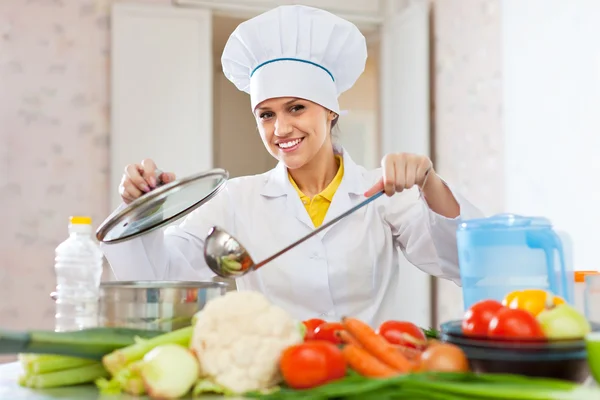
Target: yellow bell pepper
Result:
[[532, 300]]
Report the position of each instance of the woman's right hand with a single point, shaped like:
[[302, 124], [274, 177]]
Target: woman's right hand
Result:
[[139, 179]]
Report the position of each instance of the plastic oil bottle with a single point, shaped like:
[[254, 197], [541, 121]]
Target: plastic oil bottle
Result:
[[78, 269]]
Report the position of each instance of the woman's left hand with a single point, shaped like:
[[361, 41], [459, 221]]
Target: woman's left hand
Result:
[[402, 171]]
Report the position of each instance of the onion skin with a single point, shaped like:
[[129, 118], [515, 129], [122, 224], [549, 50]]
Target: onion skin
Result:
[[169, 371], [443, 357]]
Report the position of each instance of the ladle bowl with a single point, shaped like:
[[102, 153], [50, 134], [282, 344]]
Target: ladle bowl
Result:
[[225, 256]]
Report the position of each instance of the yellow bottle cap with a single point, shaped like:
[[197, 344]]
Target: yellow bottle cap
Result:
[[80, 220]]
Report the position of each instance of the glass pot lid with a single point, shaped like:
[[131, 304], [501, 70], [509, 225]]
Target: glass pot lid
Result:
[[161, 206]]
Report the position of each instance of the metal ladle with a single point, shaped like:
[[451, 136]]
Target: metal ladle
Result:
[[227, 258]]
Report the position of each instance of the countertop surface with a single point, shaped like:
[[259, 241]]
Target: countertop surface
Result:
[[10, 389]]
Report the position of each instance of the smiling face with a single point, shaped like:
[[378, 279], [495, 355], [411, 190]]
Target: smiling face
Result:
[[294, 130]]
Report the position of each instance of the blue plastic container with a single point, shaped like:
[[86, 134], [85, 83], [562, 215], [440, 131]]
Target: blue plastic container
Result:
[[507, 252]]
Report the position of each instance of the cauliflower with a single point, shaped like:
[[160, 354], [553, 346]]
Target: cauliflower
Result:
[[238, 339]]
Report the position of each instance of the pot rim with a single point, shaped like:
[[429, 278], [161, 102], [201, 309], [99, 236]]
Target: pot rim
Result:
[[143, 285]]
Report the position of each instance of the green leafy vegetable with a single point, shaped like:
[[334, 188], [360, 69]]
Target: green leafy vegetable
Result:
[[442, 386], [431, 333], [204, 386]]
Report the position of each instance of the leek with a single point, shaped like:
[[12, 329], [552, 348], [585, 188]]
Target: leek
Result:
[[118, 359], [92, 343]]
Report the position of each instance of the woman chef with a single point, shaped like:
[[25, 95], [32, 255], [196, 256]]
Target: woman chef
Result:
[[295, 61]]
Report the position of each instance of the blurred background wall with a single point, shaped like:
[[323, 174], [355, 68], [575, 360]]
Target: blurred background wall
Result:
[[55, 123]]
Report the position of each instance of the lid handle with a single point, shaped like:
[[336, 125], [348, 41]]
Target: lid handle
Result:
[[157, 173]]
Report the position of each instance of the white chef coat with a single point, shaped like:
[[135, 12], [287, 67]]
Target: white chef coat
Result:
[[349, 269]]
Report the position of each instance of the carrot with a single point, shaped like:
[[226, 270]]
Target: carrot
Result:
[[376, 345], [366, 364], [347, 338]]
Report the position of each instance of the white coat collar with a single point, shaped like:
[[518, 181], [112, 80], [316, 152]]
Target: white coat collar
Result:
[[352, 186], [278, 184]]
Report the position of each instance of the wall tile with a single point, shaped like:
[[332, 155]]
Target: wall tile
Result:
[[468, 111], [54, 57], [53, 142]]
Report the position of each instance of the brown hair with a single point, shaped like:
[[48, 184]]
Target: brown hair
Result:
[[334, 122]]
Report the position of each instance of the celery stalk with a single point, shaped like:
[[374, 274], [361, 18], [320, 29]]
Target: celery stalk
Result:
[[67, 377], [44, 363], [118, 359], [22, 380]]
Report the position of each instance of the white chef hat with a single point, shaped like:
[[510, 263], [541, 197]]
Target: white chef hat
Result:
[[295, 51]]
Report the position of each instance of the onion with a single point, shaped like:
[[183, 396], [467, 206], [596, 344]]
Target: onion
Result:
[[169, 371], [444, 357]]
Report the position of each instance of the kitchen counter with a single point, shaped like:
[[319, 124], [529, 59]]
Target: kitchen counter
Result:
[[10, 389]]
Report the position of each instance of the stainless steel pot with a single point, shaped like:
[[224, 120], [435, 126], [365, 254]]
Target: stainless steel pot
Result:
[[160, 305], [155, 305]]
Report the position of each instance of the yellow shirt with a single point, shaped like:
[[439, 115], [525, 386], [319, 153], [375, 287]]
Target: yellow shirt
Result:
[[317, 206]]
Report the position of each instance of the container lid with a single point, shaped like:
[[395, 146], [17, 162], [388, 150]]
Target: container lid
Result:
[[580, 275], [502, 221], [80, 220], [162, 206]]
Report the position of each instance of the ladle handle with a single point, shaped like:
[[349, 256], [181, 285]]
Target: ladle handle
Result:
[[320, 229]]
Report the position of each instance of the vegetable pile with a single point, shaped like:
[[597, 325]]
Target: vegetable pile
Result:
[[240, 344], [526, 314], [396, 348]]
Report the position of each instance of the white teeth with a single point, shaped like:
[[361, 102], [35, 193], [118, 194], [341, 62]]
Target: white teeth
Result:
[[287, 145]]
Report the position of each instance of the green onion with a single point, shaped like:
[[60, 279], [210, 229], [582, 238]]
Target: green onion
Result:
[[440, 386]]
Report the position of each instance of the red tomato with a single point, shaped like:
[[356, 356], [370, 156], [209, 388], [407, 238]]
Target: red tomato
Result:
[[515, 323], [477, 318], [311, 364], [311, 325], [401, 332], [327, 331]]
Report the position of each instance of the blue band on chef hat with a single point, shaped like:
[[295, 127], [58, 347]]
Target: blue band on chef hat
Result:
[[292, 59]]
